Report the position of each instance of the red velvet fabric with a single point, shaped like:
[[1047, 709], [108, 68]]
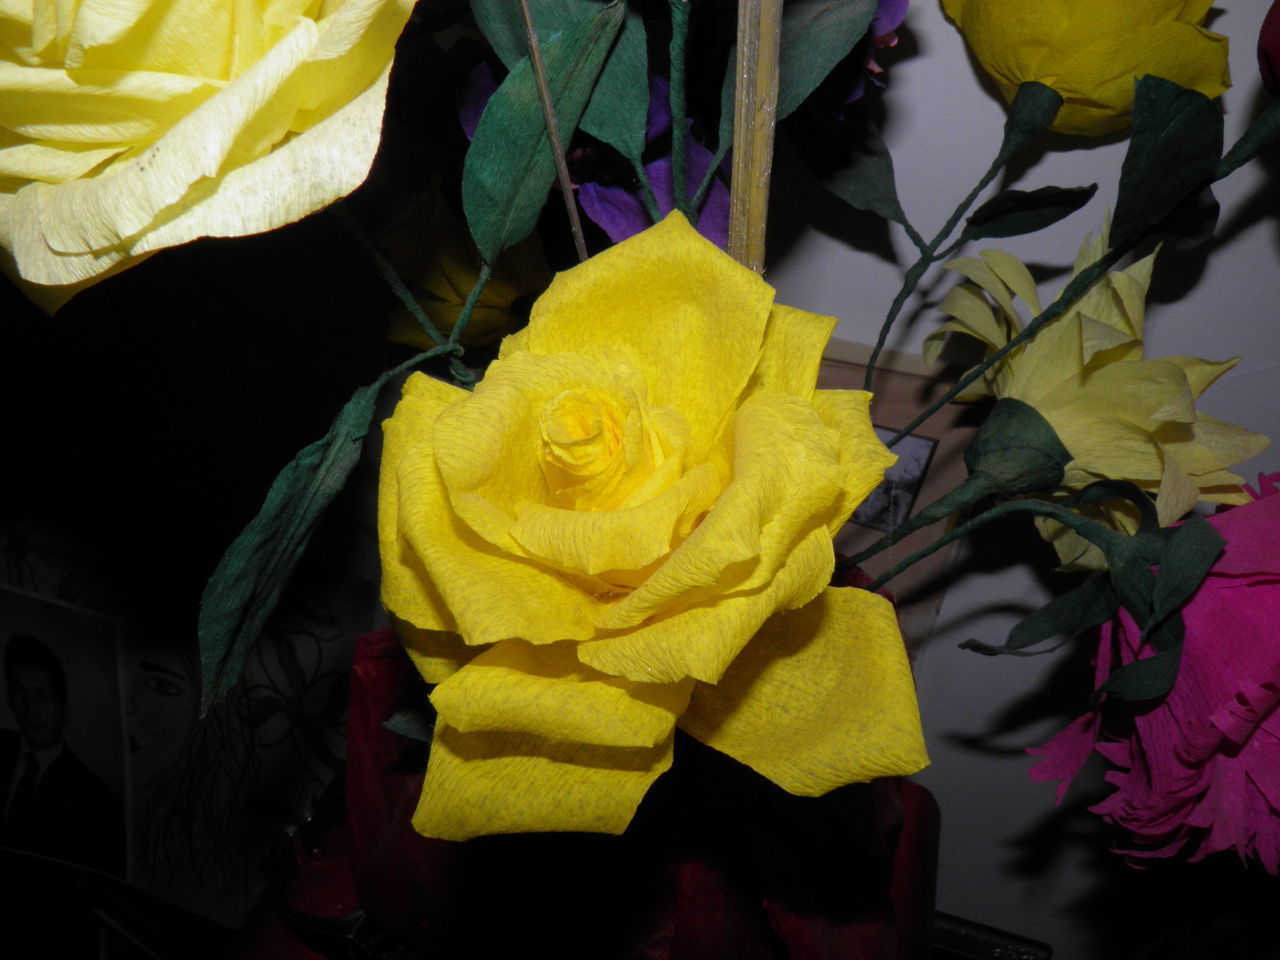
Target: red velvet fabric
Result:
[[718, 864]]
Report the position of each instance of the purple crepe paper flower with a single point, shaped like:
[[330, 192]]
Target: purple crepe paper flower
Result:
[[1200, 767], [883, 30], [620, 211]]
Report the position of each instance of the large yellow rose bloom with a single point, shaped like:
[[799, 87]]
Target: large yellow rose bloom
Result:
[[628, 526], [127, 126], [1092, 51]]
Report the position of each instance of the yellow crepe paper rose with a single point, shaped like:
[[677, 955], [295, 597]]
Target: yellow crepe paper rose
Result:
[[628, 526], [1092, 51], [1122, 417], [133, 125]]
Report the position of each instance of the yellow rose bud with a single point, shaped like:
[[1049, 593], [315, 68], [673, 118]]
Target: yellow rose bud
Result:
[[1092, 51], [627, 525], [133, 125]]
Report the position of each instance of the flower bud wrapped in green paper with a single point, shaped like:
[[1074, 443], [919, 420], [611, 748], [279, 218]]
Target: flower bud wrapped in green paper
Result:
[[628, 526], [1092, 51], [1120, 416], [134, 125]]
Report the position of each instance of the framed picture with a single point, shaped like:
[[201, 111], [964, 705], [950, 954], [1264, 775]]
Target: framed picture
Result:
[[930, 463], [63, 775]]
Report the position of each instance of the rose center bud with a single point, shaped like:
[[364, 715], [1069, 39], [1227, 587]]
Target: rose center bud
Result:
[[581, 441]]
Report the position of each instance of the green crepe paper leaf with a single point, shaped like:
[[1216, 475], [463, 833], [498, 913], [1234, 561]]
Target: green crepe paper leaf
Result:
[[1101, 490], [816, 35], [509, 168], [416, 722], [619, 106], [246, 586], [1145, 679], [1184, 562], [1033, 109], [1081, 608], [1017, 449], [1177, 140], [867, 182], [1014, 213]]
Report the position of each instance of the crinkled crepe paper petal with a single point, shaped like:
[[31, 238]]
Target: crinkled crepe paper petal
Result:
[[495, 782], [713, 315], [436, 654], [289, 118], [792, 351], [822, 696], [1208, 445], [702, 634], [545, 691], [437, 572], [787, 472]]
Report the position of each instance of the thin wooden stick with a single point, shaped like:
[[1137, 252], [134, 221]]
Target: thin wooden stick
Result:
[[553, 131], [754, 118]]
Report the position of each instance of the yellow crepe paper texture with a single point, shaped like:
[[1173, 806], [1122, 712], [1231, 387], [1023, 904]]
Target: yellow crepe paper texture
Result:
[[627, 527], [128, 126], [1121, 416], [1092, 51]]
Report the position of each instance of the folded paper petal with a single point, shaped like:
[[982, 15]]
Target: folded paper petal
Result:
[[823, 696]]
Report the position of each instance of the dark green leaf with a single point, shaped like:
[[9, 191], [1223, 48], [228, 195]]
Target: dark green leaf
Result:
[[509, 167], [867, 182], [816, 35], [416, 722], [1145, 679], [1184, 563], [1082, 608], [1176, 143], [246, 586], [1014, 213], [619, 105]]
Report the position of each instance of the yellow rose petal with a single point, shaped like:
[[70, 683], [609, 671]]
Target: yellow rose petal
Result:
[[822, 696], [702, 313], [792, 350], [486, 783], [545, 691], [437, 654]]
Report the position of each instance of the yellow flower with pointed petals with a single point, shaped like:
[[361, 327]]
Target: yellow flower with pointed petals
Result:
[[1121, 417], [127, 126], [1092, 51], [627, 526]]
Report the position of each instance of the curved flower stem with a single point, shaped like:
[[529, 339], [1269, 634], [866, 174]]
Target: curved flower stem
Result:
[[646, 191], [928, 256], [679, 148], [1091, 530], [461, 373], [389, 274], [722, 150], [553, 131], [1261, 132], [1073, 291]]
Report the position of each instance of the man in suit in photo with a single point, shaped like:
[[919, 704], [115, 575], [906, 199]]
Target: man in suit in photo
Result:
[[53, 804]]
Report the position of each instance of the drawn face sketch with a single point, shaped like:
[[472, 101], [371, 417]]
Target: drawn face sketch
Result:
[[161, 710]]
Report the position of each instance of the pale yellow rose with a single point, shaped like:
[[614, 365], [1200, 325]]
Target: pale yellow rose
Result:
[[127, 126], [628, 526], [1092, 51], [1120, 415]]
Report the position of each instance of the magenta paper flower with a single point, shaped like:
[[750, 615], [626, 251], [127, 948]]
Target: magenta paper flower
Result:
[[1200, 767]]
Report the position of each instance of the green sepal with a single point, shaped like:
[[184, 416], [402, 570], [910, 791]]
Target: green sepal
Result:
[[509, 168], [1033, 110], [1014, 213], [867, 181], [246, 586], [1017, 450], [619, 106], [1174, 150]]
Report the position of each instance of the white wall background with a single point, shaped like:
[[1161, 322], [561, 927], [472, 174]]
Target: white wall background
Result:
[[943, 129]]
